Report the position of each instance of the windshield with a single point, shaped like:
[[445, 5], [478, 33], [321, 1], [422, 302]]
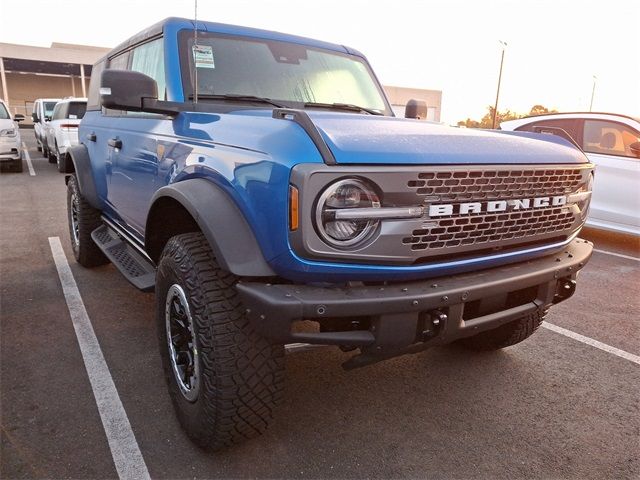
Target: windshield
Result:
[[281, 71], [4, 115], [48, 108]]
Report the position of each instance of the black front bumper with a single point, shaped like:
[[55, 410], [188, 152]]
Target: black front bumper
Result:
[[420, 313]]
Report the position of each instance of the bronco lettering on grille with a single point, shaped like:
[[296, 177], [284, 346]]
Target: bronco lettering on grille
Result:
[[447, 209]]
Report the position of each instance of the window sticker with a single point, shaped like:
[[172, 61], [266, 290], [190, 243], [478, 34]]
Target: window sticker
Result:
[[203, 56]]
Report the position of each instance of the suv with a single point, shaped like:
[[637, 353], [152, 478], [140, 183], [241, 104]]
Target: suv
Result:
[[612, 143], [260, 184], [62, 130], [10, 143], [42, 111]]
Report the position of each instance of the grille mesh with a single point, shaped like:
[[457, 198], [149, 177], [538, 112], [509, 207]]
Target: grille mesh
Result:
[[496, 184], [483, 228]]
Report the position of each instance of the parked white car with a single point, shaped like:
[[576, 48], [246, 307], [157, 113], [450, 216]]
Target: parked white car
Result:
[[10, 143], [62, 130], [612, 142], [41, 114]]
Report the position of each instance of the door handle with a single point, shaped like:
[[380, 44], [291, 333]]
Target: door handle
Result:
[[115, 143], [91, 137]]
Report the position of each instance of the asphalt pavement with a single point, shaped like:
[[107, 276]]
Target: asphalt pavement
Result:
[[550, 407]]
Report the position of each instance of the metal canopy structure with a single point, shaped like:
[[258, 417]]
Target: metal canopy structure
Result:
[[24, 70]]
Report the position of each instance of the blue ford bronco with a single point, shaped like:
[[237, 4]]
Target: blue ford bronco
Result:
[[261, 185]]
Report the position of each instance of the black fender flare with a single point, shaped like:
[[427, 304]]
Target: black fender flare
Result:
[[222, 223], [89, 180]]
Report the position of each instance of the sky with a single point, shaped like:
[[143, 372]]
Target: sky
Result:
[[554, 47]]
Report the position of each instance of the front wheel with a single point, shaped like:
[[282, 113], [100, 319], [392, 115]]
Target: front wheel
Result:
[[507, 334], [83, 219], [224, 379]]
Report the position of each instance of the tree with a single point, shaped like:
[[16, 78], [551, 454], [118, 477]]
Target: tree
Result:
[[487, 120]]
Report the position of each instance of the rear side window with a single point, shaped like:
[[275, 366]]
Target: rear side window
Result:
[[4, 115], [609, 138], [94, 87], [148, 58], [76, 110]]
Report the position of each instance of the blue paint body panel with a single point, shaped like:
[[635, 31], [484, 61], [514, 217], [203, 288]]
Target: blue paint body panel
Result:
[[250, 155]]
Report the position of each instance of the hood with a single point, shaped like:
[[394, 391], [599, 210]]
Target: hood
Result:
[[368, 139]]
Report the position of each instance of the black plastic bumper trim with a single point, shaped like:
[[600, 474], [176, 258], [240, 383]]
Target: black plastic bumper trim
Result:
[[273, 308]]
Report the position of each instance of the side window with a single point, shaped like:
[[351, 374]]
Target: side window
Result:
[[148, 58], [569, 125], [609, 138], [120, 62], [93, 102], [58, 112]]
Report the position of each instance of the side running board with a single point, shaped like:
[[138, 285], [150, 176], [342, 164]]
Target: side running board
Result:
[[139, 271]]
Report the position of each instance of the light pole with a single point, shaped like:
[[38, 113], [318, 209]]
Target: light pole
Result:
[[593, 92], [495, 108]]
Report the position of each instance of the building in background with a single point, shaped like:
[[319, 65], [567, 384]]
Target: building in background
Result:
[[399, 96], [63, 70], [27, 73]]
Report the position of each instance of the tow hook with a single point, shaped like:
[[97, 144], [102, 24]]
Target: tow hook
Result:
[[565, 288], [434, 323]]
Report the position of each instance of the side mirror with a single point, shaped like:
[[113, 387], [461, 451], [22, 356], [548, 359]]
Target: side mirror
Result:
[[133, 92], [416, 109], [34, 117], [635, 148], [126, 89], [47, 118], [18, 117]]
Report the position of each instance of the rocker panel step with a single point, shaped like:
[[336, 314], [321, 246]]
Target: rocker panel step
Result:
[[135, 268]]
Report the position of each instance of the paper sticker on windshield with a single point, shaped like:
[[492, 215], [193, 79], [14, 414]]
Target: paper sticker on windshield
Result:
[[203, 56]]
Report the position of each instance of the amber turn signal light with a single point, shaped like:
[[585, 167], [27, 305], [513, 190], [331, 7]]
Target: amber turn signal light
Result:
[[293, 208]]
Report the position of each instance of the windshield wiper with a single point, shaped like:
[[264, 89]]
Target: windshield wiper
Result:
[[237, 98], [343, 106]]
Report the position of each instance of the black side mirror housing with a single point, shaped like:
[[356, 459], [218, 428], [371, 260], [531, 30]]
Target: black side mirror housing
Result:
[[635, 148], [416, 109], [34, 117], [47, 118], [125, 89], [132, 91], [18, 117]]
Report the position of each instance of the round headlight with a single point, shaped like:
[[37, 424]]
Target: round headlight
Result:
[[347, 228]]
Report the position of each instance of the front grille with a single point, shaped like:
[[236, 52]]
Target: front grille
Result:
[[461, 233], [496, 184], [482, 228]]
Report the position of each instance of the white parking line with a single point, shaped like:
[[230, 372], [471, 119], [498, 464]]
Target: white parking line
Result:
[[606, 252], [122, 442], [594, 343], [27, 157]]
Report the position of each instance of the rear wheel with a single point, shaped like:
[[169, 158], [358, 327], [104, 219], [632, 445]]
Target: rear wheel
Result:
[[507, 334], [224, 379], [83, 219]]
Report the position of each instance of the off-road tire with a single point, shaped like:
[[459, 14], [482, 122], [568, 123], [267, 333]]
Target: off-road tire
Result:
[[507, 334], [241, 373], [85, 251], [39, 148], [52, 155]]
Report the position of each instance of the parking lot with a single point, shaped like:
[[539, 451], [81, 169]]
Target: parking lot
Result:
[[551, 407]]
